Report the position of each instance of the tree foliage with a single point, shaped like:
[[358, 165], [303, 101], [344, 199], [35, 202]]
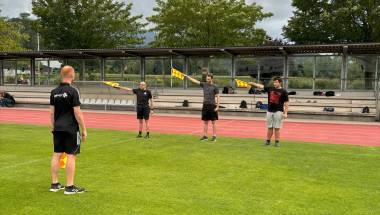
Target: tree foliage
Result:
[[66, 24], [27, 27], [334, 21], [11, 38], [185, 23]]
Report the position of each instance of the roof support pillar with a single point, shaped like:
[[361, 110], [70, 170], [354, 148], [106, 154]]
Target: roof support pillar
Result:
[[233, 66], [102, 69], [186, 71], [286, 72], [142, 68], [343, 75], [32, 71], [15, 74], [1, 72]]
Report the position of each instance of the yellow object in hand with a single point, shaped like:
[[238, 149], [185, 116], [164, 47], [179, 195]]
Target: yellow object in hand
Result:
[[240, 83], [178, 74]]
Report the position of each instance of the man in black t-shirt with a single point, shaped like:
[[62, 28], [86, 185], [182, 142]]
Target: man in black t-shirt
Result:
[[210, 106], [143, 108], [66, 121], [278, 104]]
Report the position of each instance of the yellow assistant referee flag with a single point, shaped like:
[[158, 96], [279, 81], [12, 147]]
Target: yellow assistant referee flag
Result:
[[111, 84], [178, 74], [63, 160], [240, 83]]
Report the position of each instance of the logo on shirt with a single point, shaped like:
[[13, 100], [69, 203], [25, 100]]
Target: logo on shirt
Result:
[[64, 95], [274, 97]]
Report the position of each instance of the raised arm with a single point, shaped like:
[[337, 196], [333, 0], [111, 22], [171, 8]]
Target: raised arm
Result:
[[79, 117], [195, 81], [256, 85], [125, 88]]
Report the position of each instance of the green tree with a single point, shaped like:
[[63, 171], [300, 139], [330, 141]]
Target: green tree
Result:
[[11, 38], [334, 21], [337, 21], [73, 24], [28, 27], [185, 23]]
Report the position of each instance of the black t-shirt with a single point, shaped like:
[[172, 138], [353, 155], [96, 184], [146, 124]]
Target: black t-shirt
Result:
[[276, 99], [143, 97], [64, 98]]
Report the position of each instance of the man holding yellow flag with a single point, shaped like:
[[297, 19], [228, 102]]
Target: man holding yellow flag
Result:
[[210, 102], [66, 119], [144, 106]]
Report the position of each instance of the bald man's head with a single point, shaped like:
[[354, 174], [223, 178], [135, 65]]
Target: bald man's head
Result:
[[67, 73], [142, 85]]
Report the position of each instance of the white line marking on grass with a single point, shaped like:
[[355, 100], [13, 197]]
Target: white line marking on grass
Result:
[[23, 163], [45, 159]]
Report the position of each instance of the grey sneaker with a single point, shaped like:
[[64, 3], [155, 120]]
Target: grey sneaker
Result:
[[204, 138], [277, 144], [213, 139], [267, 143]]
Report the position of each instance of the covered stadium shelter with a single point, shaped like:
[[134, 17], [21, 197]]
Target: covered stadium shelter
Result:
[[351, 69]]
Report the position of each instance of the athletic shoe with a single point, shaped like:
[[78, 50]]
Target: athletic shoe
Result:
[[204, 138], [266, 143], [139, 136], [277, 144], [73, 190], [213, 139], [147, 136], [56, 187]]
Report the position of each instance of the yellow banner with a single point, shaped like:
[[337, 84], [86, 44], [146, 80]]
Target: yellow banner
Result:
[[178, 74], [240, 83]]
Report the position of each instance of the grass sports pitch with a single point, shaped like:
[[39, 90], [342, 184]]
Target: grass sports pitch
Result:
[[177, 174]]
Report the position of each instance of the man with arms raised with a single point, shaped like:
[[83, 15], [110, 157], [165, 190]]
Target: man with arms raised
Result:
[[66, 118], [144, 106], [278, 105], [210, 103]]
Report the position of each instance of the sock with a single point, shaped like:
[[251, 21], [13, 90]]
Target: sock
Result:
[[140, 132], [277, 141], [147, 133], [268, 141]]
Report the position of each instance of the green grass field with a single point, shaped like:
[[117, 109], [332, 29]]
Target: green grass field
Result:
[[177, 174]]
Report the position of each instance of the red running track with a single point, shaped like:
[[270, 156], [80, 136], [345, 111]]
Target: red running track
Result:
[[352, 134]]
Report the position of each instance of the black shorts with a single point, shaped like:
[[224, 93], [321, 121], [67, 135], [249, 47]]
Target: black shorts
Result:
[[143, 112], [66, 141], [209, 113]]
